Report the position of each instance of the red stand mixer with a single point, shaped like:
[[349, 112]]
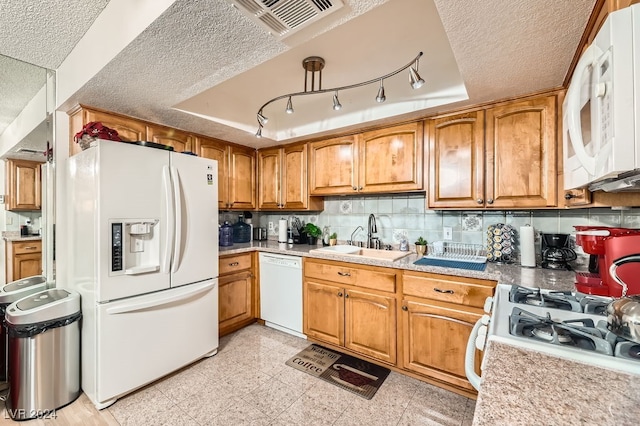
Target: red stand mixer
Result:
[[616, 249]]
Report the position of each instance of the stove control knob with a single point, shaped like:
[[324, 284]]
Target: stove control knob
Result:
[[488, 305]]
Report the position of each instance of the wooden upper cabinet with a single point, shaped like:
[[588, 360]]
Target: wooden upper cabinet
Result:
[[23, 185], [391, 159], [500, 158], [456, 161], [283, 179], [333, 166], [521, 154], [242, 178], [179, 140], [129, 129], [380, 161], [219, 151]]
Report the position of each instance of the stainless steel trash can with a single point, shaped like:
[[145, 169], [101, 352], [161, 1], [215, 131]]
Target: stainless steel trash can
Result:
[[9, 293], [44, 353]]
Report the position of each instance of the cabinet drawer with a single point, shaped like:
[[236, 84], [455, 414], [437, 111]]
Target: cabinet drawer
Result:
[[349, 275], [464, 291], [230, 264], [27, 247]]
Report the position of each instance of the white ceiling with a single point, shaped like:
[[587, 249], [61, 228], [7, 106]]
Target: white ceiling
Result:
[[209, 58]]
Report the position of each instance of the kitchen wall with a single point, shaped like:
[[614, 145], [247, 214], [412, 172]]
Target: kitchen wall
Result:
[[399, 215]]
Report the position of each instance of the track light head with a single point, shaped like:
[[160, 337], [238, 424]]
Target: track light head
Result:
[[289, 106], [336, 102], [262, 120], [414, 78], [259, 132], [381, 97]]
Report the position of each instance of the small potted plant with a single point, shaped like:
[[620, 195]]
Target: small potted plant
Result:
[[333, 239], [421, 246], [313, 233]]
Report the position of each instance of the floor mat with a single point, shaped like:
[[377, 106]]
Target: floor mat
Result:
[[349, 373]]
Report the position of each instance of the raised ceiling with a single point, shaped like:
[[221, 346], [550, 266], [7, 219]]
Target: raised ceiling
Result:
[[210, 59]]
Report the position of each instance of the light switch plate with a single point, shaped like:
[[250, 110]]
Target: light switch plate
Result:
[[447, 232], [1, 199]]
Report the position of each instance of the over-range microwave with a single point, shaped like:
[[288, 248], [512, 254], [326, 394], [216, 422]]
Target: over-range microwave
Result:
[[601, 111]]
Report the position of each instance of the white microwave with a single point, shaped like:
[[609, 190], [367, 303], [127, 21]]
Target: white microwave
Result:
[[601, 111]]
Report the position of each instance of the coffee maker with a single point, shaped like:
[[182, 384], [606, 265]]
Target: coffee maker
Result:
[[556, 253], [607, 247]]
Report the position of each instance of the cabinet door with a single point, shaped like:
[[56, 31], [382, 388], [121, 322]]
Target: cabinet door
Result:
[[269, 173], [129, 129], [294, 188], [179, 140], [456, 161], [27, 265], [324, 312], [434, 339], [242, 178], [333, 166], [521, 150], [219, 151], [23, 185], [391, 159], [234, 299], [370, 324]]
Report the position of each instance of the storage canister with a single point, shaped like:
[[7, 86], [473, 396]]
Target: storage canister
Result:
[[241, 231], [226, 235]]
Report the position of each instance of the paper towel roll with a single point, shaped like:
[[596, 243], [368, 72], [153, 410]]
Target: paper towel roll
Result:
[[527, 247], [282, 230]]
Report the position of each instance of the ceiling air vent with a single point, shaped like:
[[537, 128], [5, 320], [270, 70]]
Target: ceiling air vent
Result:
[[283, 17]]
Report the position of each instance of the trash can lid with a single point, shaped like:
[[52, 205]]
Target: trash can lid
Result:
[[14, 290], [43, 306]]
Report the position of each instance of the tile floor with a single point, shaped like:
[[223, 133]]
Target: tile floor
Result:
[[248, 383]]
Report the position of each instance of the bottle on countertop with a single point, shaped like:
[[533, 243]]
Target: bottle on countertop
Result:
[[325, 236], [241, 231], [225, 235]]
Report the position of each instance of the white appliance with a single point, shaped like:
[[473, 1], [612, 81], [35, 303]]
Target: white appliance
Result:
[[143, 254], [595, 346], [601, 111], [281, 292]]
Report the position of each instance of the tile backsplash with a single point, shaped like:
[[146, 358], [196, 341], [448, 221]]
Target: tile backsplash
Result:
[[406, 215]]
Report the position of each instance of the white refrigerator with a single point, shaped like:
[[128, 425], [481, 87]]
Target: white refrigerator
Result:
[[143, 254]]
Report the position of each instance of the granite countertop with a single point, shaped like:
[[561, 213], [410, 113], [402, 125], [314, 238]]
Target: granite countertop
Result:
[[519, 386], [15, 236], [504, 274]]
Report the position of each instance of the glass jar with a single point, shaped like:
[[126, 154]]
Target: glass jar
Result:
[[225, 235]]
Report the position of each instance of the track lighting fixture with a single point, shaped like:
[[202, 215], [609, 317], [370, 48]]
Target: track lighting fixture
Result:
[[336, 103], [381, 97], [315, 64]]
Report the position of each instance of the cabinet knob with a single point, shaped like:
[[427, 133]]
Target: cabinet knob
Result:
[[355, 188], [479, 201], [360, 189], [404, 308], [346, 295], [339, 294], [490, 201]]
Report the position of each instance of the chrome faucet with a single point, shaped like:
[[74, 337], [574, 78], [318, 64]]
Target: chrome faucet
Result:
[[351, 242], [372, 230]]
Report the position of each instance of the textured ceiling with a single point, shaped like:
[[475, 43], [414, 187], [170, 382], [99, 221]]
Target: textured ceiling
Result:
[[502, 48]]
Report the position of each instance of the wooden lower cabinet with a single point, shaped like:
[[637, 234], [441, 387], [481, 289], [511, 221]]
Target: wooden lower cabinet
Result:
[[24, 259], [434, 339], [236, 295], [360, 319]]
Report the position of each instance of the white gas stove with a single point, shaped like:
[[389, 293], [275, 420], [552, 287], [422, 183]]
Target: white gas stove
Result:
[[568, 325]]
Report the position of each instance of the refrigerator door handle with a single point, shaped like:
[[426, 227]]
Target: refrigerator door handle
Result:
[[168, 243], [160, 301], [177, 242]]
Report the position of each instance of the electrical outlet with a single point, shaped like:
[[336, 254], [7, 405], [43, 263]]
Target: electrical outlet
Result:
[[9, 220], [271, 227], [447, 232]]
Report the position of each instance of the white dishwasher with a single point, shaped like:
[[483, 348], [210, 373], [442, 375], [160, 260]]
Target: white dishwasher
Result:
[[281, 292]]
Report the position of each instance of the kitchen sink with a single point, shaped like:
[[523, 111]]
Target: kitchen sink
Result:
[[362, 252]]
